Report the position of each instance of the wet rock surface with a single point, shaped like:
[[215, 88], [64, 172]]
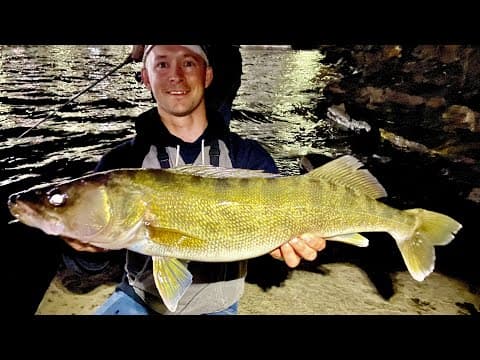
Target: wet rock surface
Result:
[[422, 103], [335, 289]]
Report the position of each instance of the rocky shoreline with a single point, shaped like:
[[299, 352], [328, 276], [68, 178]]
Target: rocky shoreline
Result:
[[346, 290]]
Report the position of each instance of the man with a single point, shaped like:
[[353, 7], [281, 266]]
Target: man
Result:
[[82, 272], [226, 62], [180, 130]]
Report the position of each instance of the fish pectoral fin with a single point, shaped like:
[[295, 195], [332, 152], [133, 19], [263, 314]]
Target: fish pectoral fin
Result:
[[352, 239], [172, 279], [173, 238]]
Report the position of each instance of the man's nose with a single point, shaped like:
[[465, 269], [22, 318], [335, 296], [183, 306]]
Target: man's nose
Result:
[[177, 73]]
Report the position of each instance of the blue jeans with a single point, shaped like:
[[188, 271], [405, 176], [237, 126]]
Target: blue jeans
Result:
[[119, 303]]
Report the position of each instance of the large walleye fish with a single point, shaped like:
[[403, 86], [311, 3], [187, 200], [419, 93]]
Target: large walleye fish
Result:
[[212, 214]]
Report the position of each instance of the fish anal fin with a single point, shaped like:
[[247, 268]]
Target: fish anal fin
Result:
[[345, 171], [172, 279], [352, 239]]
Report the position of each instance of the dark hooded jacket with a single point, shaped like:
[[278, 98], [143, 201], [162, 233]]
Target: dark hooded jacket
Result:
[[242, 153]]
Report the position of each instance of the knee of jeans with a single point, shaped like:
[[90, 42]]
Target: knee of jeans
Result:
[[120, 303], [231, 310]]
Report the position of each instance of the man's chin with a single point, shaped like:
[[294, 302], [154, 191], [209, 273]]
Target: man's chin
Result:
[[181, 114], [178, 111], [181, 109]]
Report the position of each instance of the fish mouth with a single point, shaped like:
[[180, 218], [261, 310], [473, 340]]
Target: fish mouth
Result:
[[30, 216]]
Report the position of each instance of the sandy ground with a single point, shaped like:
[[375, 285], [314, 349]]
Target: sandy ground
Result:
[[345, 290]]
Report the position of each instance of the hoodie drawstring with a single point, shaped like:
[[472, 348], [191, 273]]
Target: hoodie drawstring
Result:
[[177, 156], [176, 160]]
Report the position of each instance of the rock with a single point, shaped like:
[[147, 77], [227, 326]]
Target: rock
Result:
[[474, 195], [458, 116]]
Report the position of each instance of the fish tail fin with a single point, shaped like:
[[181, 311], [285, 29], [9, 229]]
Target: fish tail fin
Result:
[[418, 251]]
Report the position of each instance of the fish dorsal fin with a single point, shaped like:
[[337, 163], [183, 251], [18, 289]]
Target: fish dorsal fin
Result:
[[219, 172], [344, 171]]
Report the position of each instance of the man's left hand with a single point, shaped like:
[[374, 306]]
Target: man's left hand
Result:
[[137, 53], [301, 247]]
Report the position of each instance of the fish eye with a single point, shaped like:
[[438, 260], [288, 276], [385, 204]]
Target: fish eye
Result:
[[57, 199]]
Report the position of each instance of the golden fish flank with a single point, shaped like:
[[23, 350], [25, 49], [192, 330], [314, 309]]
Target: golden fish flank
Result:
[[211, 214]]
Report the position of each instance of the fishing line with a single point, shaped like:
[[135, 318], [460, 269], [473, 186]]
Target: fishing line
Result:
[[128, 60]]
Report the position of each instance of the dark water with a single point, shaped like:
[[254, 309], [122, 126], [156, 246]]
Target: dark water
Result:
[[277, 105]]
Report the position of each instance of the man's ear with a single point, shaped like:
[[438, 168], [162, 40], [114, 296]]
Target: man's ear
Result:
[[145, 79], [208, 76]]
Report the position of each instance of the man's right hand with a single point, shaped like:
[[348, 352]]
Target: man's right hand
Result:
[[301, 247], [81, 246]]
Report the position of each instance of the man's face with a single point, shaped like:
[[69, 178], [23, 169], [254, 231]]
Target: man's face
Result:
[[177, 78]]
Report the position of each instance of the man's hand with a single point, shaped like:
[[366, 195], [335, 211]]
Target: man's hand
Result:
[[304, 246], [137, 52], [81, 246]]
